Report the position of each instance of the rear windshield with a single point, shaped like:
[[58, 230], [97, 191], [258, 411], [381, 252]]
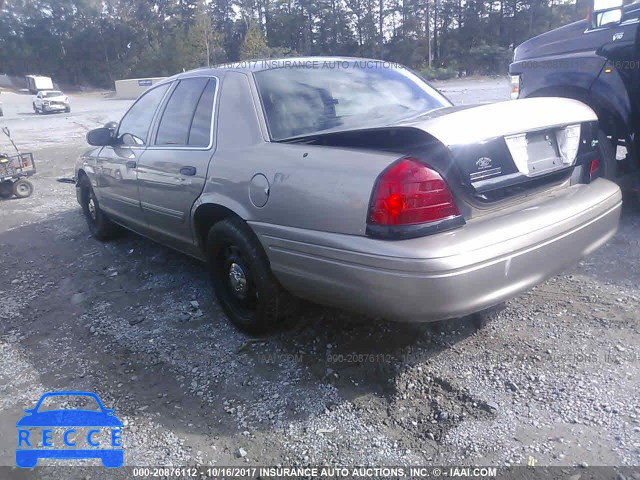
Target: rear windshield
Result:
[[52, 93], [306, 101]]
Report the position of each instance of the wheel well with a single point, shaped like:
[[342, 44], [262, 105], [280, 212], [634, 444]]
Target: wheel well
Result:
[[610, 122], [81, 173], [205, 217]]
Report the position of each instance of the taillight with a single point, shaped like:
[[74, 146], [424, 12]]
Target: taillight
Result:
[[410, 194], [515, 82], [594, 168]]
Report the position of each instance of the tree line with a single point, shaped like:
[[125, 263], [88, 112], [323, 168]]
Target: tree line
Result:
[[95, 42]]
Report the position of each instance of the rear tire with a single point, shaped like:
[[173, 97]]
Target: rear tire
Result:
[[100, 226], [6, 189], [22, 188], [246, 289]]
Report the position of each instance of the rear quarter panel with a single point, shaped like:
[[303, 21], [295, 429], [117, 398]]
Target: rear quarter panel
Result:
[[310, 187]]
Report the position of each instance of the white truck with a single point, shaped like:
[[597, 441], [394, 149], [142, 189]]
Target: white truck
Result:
[[51, 101], [36, 83]]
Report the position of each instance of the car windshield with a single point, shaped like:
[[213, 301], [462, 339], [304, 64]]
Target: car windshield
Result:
[[52, 93], [305, 101], [69, 402]]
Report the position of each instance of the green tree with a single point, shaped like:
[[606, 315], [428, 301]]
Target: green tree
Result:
[[254, 45]]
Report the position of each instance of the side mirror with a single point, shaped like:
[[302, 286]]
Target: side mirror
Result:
[[608, 18], [606, 13], [99, 137], [600, 5]]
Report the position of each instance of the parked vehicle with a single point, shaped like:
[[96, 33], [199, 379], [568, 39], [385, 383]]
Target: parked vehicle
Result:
[[36, 83], [360, 187], [47, 101], [14, 170], [596, 61]]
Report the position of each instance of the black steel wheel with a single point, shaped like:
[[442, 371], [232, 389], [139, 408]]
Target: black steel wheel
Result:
[[22, 188], [100, 226], [246, 289]]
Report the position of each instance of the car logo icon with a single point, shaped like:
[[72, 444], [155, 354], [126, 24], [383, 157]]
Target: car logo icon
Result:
[[72, 422], [483, 162]]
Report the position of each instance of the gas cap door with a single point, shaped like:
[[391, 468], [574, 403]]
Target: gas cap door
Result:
[[259, 190]]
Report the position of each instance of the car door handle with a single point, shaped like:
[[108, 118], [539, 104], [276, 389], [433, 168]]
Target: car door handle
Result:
[[189, 171], [131, 164]]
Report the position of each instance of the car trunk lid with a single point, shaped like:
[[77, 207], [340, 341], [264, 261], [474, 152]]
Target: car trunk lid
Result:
[[509, 147]]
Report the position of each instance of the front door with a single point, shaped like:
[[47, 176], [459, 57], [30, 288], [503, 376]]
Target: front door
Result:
[[173, 170], [116, 166]]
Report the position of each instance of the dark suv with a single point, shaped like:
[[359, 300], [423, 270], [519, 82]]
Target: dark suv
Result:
[[596, 61]]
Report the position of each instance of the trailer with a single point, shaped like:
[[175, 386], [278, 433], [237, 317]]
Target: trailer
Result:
[[13, 172], [35, 83]]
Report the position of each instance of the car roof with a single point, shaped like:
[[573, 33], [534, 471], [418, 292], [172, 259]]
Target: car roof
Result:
[[258, 65]]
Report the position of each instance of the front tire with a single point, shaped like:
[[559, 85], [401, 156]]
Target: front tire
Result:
[[22, 188], [246, 289], [100, 226]]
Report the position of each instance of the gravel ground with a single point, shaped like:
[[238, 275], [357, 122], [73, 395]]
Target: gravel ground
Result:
[[553, 377]]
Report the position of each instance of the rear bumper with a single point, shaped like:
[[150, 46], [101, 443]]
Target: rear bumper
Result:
[[449, 274]]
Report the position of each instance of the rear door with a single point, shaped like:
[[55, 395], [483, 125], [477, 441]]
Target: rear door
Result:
[[172, 173], [116, 178]]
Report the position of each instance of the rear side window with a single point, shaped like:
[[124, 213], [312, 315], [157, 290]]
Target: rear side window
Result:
[[137, 121], [200, 132], [187, 117]]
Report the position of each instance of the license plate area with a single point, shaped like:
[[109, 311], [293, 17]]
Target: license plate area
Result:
[[535, 153]]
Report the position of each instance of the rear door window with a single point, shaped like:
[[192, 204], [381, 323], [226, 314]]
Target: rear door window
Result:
[[200, 133], [186, 119]]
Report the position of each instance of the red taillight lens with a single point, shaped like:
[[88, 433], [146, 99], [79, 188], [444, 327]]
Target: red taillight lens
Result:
[[593, 169], [410, 193]]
